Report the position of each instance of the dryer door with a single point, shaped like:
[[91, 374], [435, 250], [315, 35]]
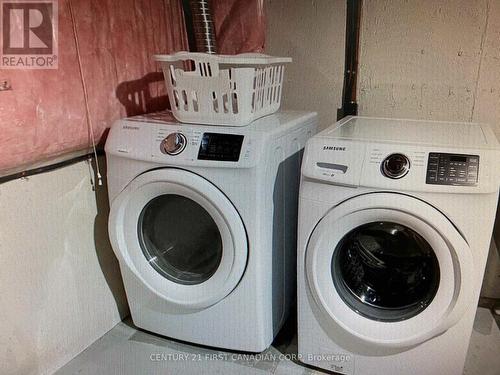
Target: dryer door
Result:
[[389, 269], [181, 236]]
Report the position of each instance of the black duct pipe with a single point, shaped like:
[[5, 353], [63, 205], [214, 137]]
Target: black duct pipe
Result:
[[353, 23]]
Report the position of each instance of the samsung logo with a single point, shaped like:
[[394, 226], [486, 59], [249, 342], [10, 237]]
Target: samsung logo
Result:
[[334, 148], [130, 127]]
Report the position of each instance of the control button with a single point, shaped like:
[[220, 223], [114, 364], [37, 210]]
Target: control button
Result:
[[395, 166], [432, 177], [174, 144]]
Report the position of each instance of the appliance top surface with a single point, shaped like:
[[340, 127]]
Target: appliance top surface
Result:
[[416, 132], [271, 124], [160, 139]]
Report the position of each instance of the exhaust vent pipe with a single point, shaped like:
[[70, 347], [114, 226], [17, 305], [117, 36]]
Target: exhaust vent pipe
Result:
[[203, 26]]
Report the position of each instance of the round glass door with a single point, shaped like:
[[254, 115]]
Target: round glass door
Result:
[[178, 236], [385, 271], [180, 239], [388, 270]]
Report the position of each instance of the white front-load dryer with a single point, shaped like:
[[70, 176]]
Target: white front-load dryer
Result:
[[395, 221], [203, 223]]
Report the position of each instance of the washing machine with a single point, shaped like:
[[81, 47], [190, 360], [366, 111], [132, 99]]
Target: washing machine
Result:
[[395, 221], [203, 223]]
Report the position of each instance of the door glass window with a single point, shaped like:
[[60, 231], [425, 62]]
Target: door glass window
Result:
[[180, 239], [385, 271]]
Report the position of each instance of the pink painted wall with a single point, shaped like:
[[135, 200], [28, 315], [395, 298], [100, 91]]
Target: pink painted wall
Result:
[[44, 115]]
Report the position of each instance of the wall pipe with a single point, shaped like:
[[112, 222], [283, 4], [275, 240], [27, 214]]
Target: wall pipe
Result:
[[349, 91]]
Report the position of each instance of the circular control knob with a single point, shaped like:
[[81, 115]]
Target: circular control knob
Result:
[[395, 166], [174, 144]]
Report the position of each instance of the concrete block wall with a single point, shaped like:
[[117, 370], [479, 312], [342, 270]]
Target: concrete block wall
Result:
[[312, 32], [431, 60]]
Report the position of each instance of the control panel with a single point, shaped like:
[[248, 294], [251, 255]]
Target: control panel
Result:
[[452, 169], [221, 147], [203, 147]]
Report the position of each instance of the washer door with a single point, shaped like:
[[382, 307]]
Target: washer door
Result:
[[389, 269], [180, 236]]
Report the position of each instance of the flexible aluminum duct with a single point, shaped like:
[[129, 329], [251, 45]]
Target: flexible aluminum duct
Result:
[[203, 26]]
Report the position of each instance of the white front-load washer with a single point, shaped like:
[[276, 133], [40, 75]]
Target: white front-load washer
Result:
[[395, 221], [203, 223]]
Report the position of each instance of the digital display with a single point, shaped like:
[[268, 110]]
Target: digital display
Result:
[[222, 147], [458, 159]]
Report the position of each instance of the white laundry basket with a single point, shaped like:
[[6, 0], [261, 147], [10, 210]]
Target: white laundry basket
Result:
[[223, 89]]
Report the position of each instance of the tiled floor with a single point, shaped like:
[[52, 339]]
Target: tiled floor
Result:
[[126, 350]]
